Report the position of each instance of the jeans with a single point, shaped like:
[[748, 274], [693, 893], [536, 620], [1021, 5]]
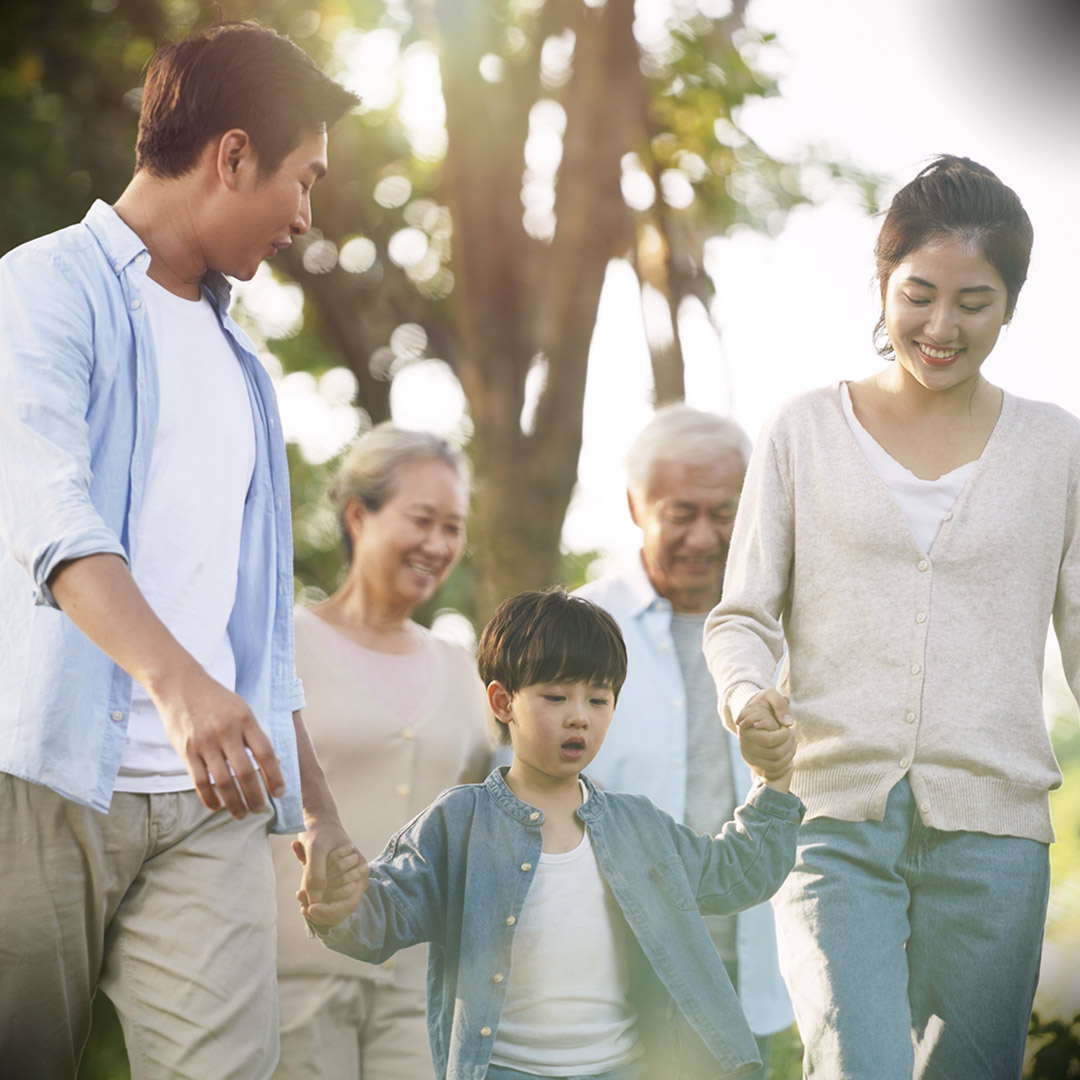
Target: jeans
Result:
[[912, 952], [627, 1072]]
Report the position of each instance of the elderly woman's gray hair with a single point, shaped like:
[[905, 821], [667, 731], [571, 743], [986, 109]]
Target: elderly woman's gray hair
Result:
[[369, 471], [682, 435]]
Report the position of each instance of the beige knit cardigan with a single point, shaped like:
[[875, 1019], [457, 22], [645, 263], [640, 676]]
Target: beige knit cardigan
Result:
[[902, 662]]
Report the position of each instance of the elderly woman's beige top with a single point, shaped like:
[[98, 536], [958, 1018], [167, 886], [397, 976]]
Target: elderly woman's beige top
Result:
[[383, 769]]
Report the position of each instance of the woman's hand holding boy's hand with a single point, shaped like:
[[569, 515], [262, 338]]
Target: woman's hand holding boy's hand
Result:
[[346, 881], [767, 737]]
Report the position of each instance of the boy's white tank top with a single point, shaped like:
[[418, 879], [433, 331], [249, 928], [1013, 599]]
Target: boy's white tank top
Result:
[[566, 1011]]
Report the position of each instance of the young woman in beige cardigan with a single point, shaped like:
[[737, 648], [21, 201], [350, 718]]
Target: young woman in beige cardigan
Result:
[[908, 538]]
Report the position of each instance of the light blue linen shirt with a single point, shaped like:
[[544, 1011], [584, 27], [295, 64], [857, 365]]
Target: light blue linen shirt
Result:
[[645, 751], [78, 415]]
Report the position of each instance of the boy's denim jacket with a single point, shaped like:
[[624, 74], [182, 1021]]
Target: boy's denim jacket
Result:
[[457, 876]]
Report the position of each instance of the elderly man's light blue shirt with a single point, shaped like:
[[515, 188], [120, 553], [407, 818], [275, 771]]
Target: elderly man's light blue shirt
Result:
[[78, 415], [645, 751]]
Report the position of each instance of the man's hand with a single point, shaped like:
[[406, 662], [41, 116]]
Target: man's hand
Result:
[[345, 881], [213, 729], [766, 735]]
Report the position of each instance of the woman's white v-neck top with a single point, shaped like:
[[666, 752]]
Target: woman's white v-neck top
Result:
[[904, 663], [924, 503]]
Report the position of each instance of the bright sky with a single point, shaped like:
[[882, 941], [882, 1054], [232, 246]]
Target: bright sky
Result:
[[886, 84]]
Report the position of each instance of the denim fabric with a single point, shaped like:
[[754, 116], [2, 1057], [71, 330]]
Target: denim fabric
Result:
[[645, 751], [78, 414], [496, 1072], [909, 951], [458, 874]]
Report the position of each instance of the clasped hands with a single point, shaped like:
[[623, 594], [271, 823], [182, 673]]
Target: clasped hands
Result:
[[346, 881], [766, 733]]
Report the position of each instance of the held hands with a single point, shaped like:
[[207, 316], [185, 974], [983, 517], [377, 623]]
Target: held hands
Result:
[[767, 737], [344, 883], [213, 729]]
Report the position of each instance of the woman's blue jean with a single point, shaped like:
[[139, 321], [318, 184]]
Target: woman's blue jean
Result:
[[912, 952]]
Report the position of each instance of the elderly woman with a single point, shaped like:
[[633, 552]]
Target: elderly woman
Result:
[[396, 715]]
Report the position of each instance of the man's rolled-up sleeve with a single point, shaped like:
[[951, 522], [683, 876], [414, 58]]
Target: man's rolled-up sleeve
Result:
[[46, 365]]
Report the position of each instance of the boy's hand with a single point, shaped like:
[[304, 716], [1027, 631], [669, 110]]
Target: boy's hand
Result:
[[767, 737], [346, 881]]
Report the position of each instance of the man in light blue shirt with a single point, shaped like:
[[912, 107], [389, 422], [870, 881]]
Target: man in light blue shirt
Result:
[[685, 471], [146, 667]]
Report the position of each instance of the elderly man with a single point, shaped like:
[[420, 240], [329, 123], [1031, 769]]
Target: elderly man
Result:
[[685, 471]]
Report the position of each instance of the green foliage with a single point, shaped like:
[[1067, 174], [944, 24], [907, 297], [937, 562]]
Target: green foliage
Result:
[[1058, 1053], [785, 1055], [69, 77], [318, 559], [104, 1057]]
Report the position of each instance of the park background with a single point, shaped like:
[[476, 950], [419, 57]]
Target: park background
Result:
[[549, 215]]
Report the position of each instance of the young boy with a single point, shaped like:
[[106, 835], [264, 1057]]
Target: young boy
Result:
[[566, 939]]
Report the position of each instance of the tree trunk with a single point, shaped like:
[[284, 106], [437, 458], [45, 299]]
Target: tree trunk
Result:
[[516, 299]]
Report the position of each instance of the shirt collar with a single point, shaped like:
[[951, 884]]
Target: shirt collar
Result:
[[497, 787], [122, 246], [643, 596]]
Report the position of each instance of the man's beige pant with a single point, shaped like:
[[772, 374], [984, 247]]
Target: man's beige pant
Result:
[[336, 1028], [167, 906]]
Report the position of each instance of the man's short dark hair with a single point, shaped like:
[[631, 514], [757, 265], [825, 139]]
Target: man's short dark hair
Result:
[[236, 75], [549, 636]]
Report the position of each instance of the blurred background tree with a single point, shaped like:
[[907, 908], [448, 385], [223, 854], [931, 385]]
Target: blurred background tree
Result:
[[505, 153]]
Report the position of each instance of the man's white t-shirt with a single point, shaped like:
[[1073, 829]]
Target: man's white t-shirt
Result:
[[185, 551]]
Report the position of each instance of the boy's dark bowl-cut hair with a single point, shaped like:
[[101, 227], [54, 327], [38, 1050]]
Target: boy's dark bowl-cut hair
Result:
[[234, 75], [549, 636]]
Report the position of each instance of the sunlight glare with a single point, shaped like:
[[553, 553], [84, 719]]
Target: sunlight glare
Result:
[[556, 59], [422, 109], [426, 396], [357, 255], [321, 424], [370, 62], [275, 307]]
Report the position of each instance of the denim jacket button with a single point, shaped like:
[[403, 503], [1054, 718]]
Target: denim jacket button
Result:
[[497, 977], [510, 920], [485, 1031], [534, 815], [526, 866]]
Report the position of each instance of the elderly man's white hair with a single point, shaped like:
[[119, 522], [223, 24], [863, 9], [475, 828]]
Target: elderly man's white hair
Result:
[[681, 435]]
